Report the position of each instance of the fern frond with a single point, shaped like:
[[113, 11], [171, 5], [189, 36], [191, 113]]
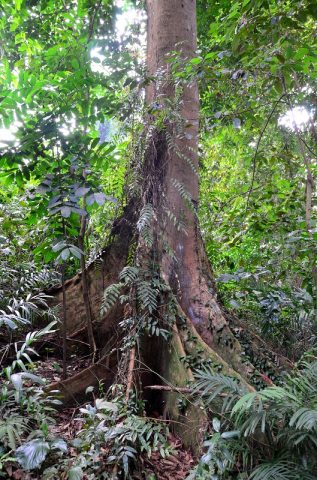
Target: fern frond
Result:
[[306, 381], [181, 227], [144, 224], [110, 297], [255, 400], [210, 385], [129, 275], [147, 295], [254, 421], [11, 430], [297, 438], [183, 192], [146, 216], [188, 160]]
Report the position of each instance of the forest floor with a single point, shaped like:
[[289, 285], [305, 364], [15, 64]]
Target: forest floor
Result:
[[176, 466]]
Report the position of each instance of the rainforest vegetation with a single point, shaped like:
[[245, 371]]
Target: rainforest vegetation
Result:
[[158, 239]]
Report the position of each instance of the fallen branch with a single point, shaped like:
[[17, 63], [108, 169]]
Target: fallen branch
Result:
[[167, 388]]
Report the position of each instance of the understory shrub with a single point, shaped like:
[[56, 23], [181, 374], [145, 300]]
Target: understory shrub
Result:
[[270, 434]]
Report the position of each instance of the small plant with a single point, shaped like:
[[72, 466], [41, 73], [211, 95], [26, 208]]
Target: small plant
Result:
[[284, 315], [112, 437], [25, 409]]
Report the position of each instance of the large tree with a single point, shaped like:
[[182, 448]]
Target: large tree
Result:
[[155, 287], [156, 254]]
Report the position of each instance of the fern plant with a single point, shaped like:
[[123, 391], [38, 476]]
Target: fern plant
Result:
[[21, 299], [144, 224], [146, 295], [25, 409], [110, 297], [185, 195], [277, 426]]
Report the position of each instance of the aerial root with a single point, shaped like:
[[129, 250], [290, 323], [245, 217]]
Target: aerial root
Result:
[[130, 373]]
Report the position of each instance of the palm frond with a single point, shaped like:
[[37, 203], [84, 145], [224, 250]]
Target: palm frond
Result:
[[280, 470], [210, 385], [304, 418]]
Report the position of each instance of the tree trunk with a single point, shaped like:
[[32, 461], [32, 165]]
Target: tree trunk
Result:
[[175, 191]]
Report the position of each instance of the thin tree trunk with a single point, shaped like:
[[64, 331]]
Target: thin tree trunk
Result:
[[308, 187], [308, 201], [85, 286], [64, 328]]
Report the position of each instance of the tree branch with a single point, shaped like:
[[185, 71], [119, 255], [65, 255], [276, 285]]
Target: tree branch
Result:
[[258, 145]]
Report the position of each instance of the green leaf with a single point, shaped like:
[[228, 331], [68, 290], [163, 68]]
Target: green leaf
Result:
[[65, 254], [195, 61], [75, 64], [16, 379], [59, 246], [75, 473], [18, 4], [231, 434], [82, 191], [76, 251], [102, 404], [32, 454], [59, 444], [66, 211], [216, 424]]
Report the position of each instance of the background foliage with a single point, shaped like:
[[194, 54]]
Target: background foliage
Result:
[[71, 119]]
